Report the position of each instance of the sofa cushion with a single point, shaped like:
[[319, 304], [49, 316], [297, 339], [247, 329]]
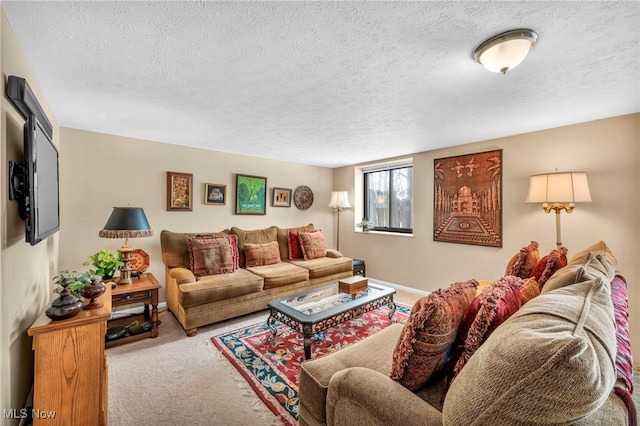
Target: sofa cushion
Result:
[[421, 351], [213, 288], [325, 266], [374, 352], [523, 262], [257, 236], [313, 245], [488, 310], [552, 362], [175, 247], [598, 248], [283, 239], [549, 264], [583, 268], [261, 254], [210, 256], [280, 274]]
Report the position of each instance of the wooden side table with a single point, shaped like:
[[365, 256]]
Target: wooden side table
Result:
[[142, 290]]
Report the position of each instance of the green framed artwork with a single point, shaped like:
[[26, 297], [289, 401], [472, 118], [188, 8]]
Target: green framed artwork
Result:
[[251, 194]]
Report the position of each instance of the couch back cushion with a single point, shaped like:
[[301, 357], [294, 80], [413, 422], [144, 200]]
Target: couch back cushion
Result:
[[283, 239], [552, 362], [258, 236]]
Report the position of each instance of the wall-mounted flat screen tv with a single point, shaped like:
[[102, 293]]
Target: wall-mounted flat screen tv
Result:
[[35, 183]]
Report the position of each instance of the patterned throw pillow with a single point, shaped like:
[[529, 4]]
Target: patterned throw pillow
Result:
[[293, 241], [423, 346], [549, 264], [233, 240], [262, 254], [523, 262], [491, 308], [210, 256], [313, 246], [624, 358]]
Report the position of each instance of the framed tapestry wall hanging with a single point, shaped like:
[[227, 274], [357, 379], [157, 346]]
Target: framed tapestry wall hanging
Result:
[[467, 197]]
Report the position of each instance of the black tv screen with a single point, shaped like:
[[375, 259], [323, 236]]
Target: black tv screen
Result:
[[42, 202]]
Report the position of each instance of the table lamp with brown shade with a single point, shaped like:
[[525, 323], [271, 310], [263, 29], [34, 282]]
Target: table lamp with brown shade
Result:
[[126, 222]]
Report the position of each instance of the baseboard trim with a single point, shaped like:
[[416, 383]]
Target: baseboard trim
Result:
[[401, 287]]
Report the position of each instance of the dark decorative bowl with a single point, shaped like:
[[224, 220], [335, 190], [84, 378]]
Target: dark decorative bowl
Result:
[[92, 292]]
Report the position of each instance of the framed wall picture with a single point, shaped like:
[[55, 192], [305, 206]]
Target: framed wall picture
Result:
[[281, 197], [467, 199], [179, 191], [251, 194], [215, 194]]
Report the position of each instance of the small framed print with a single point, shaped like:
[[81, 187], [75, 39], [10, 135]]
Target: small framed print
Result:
[[179, 191], [281, 197], [215, 194]]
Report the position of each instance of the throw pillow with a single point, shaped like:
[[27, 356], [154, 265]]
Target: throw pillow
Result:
[[583, 269], [624, 358], [293, 242], [523, 262], [313, 246], [549, 264], [552, 362], [488, 310], [262, 254], [598, 248], [423, 346], [233, 240], [210, 256]]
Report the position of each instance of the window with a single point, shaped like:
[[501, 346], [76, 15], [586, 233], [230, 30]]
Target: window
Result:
[[388, 196]]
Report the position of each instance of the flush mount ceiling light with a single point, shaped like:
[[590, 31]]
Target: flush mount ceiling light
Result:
[[505, 51]]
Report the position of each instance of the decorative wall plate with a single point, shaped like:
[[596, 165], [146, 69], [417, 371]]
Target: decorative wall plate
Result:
[[303, 197], [139, 260]]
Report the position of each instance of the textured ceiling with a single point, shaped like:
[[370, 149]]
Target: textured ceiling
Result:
[[326, 83]]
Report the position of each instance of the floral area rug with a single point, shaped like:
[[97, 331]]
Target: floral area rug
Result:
[[271, 367]]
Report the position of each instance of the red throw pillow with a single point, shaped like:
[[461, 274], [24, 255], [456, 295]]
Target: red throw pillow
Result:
[[422, 349], [549, 264], [293, 242], [523, 262], [493, 306]]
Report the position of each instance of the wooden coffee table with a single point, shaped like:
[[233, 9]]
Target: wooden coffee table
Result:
[[313, 311]]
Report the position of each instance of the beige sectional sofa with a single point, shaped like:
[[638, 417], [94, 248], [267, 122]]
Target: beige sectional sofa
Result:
[[201, 300], [554, 361]]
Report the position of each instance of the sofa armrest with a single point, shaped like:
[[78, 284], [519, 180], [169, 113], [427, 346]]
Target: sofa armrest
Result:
[[361, 396], [335, 254], [182, 275]]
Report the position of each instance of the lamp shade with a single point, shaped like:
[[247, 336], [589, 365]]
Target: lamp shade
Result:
[[340, 200], [505, 51], [570, 187], [126, 222]]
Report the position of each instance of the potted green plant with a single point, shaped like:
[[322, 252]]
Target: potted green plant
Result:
[[106, 263], [73, 281], [365, 224]]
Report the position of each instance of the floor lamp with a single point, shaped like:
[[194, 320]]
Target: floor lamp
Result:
[[339, 201], [557, 192]]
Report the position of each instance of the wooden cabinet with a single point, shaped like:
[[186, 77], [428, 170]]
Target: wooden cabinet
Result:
[[70, 377]]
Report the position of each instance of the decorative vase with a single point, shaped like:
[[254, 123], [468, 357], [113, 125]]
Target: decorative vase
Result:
[[64, 306], [92, 292]]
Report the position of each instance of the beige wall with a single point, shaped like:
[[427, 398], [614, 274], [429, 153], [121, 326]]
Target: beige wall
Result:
[[25, 272], [101, 171], [608, 150]]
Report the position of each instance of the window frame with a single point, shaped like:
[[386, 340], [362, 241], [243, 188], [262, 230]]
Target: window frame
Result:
[[390, 167]]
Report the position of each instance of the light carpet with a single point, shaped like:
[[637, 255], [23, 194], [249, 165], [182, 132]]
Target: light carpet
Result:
[[271, 366]]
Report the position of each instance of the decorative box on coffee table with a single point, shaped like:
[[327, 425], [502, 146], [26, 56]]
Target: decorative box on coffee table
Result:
[[353, 284]]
